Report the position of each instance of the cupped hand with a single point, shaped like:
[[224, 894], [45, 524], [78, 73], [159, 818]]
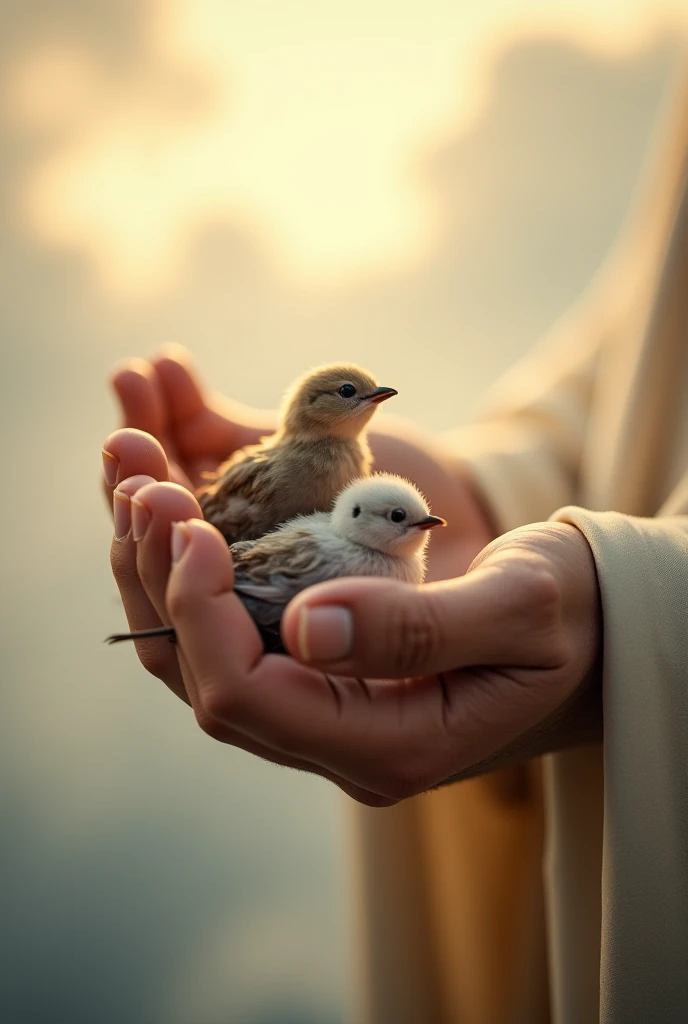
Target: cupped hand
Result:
[[391, 689]]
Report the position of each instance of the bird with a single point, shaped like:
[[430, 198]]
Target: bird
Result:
[[318, 448], [378, 526]]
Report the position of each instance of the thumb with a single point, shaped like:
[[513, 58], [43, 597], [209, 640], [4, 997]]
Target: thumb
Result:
[[383, 628]]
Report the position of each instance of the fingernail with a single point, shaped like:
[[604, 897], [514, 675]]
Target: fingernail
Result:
[[110, 467], [140, 518], [121, 511], [325, 633], [180, 537]]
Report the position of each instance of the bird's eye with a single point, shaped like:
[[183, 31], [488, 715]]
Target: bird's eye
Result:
[[347, 391], [398, 515], [357, 511]]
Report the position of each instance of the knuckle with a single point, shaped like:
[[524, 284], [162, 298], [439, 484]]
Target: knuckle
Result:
[[413, 636], [539, 590], [543, 587], [155, 657], [213, 712], [210, 725], [542, 602], [177, 602], [123, 569]]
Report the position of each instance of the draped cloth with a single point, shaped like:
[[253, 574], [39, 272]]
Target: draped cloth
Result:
[[557, 890]]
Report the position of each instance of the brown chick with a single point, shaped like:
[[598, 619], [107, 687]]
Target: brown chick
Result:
[[319, 447]]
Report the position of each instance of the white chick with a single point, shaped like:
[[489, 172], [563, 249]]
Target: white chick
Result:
[[378, 526]]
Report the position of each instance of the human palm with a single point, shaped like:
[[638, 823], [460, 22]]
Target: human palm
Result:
[[406, 708]]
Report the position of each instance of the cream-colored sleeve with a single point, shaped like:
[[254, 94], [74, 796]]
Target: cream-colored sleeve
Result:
[[642, 565], [525, 447]]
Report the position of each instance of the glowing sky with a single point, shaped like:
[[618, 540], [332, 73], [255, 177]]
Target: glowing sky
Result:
[[302, 121]]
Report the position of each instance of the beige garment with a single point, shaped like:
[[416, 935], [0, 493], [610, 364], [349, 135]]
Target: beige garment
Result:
[[451, 883]]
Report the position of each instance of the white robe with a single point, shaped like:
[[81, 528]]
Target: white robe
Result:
[[458, 925]]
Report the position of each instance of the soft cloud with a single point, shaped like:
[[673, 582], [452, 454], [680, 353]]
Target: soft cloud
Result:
[[300, 121]]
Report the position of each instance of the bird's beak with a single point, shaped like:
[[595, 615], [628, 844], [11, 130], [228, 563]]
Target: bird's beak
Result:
[[430, 522], [381, 395]]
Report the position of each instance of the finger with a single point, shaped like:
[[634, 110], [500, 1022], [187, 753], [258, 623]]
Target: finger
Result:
[[205, 425], [157, 656], [154, 509], [202, 436], [129, 452], [242, 697], [136, 386], [215, 632], [179, 382], [203, 606], [383, 628], [144, 407]]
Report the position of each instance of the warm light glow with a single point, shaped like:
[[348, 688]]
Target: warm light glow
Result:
[[300, 121]]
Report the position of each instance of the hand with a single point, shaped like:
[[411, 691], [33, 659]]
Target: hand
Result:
[[422, 685], [197, 430]]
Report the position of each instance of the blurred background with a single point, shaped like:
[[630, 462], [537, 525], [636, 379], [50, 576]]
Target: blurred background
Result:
[[420, 188]]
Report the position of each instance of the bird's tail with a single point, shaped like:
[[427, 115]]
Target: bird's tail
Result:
[[143, 634]]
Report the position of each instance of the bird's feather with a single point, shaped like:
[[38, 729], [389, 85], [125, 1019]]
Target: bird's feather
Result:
[[318, 449], [261, 487], [269, 572]]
